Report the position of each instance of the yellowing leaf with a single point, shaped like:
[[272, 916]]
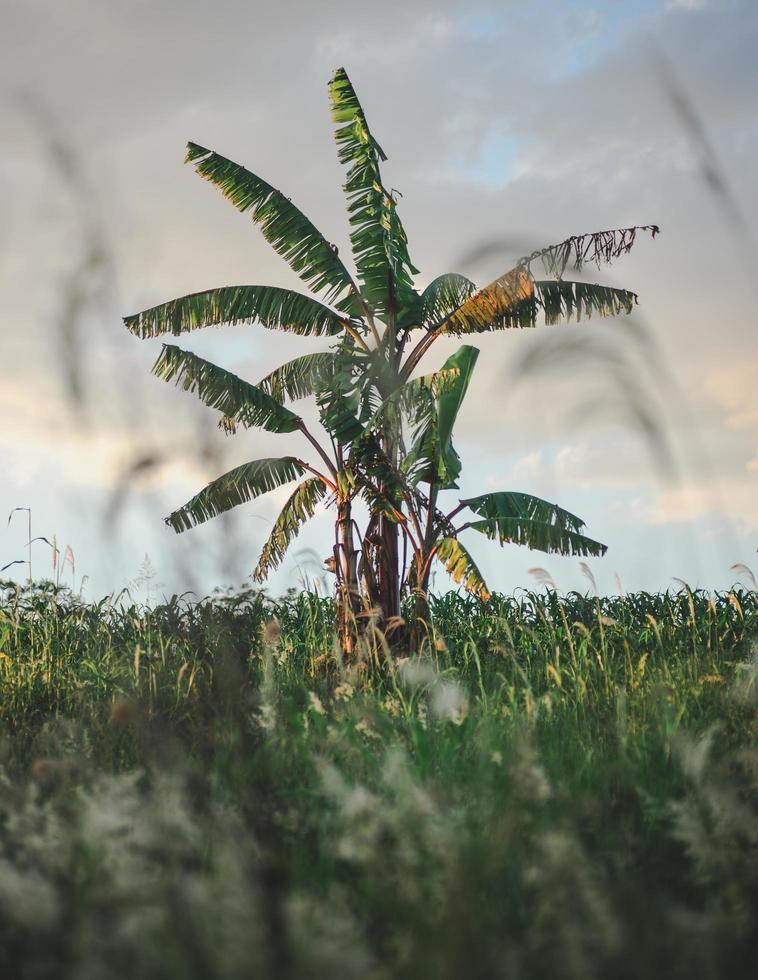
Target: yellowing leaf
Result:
[[492, 304]]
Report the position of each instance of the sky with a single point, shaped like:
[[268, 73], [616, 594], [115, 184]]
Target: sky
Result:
[[508, 126]]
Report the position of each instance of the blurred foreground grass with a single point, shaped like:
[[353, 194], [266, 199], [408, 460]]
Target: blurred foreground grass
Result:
[[560, 786]]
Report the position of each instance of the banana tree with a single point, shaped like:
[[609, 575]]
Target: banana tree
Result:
[[379, 326]]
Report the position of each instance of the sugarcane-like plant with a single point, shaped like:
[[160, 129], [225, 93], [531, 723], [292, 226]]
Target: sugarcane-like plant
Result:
[[381, 328]]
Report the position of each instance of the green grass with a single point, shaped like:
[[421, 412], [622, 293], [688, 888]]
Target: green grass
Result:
[[558, 787]]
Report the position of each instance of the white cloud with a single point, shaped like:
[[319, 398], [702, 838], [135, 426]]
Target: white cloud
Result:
[[733, 388], [530, 467], [731, 500]]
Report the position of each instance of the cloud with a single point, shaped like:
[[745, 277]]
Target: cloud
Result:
[[733, 389], [732, 500], [47, 443], [581, 465]]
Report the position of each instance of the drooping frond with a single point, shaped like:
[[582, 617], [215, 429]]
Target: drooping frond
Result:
[[300, 377], [539, 536], [239, 485], [237, 400], [271, 306], [520, 518], [461, 567], [500, 304], [284, 226], [298, 509], [596, 246], [515, 301], [380, 245], [561, 299], [443, 296]]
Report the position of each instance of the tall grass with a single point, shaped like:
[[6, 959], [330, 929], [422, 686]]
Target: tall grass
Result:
[[558, 786]]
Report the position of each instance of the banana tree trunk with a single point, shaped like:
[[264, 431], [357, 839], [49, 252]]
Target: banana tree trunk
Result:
[[388, 552], [348, 597], [389, 569], [420, 616]]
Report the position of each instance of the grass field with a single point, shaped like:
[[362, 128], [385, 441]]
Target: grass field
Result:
[[561, 787]]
